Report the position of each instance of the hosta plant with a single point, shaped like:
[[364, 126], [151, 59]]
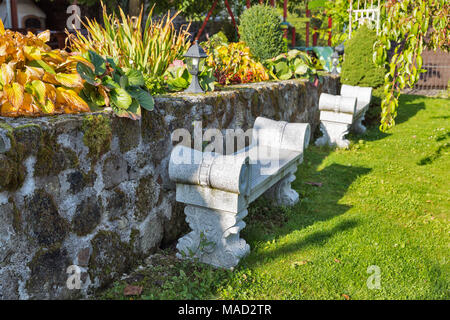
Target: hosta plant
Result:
[[294, 64], [108, 85], [177, 77], [149, 49], [35, 80], [233, 64]]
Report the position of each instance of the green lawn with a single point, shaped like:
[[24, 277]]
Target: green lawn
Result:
[[383, 202]]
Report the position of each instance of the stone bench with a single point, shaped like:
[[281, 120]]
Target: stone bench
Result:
[[218, 189], [339, 114]]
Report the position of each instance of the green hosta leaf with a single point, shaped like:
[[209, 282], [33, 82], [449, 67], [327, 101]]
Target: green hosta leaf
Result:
[[135, 107], [177, 84], [98, 62], [124, 81], [133, 112], [143, 97], [120, 98], [301, 69], [207, 82], [97, 98], [87, 74], [135, 78], [110, 83], [282, 70], [112, 62]]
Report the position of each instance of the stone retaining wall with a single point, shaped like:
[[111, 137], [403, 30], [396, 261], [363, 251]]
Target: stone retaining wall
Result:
[[93, 190]]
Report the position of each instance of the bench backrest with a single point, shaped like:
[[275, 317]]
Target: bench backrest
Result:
[[363, 94], [281, 134]]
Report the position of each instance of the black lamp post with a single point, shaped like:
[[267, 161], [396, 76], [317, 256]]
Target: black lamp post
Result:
[[334, 62], [193, 59]]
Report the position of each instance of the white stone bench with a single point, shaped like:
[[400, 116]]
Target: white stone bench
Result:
[[219, 188], [339, 114]]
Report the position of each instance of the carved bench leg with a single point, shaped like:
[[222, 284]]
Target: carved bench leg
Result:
[[358, 127], [282, 193], [215, 237], [333, 134]]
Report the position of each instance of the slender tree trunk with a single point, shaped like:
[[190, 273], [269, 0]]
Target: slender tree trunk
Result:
[[135, 7]]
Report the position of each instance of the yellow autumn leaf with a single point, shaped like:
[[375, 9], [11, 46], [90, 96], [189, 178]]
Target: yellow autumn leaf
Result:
[[2, 28], [73, 101], [76, 58], [69, 80], [54, 56], [27, 105], [34, 73], [50, 92], [14, 94], [49, 78], [22, 77], [8, 109], [44, 36], [32, 53], [3, 50], [47, 107], [7, 74]]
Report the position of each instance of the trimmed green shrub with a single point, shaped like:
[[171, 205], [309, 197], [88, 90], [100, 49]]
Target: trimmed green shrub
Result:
[[358, 68], [260, 29]]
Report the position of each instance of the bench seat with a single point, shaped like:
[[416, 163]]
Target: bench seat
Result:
[[218, 189]]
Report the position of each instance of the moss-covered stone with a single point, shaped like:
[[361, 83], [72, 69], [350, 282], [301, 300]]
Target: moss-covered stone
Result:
[[88, 216], [154, 127], [29, 136], [115, 170], [76, 181], [110, 257], [51, 159], [128, 131], [48, 271], [17, 219], [147, 194], [117, 204], [43, 220], [134, 243], [12, 169], [97, 135]]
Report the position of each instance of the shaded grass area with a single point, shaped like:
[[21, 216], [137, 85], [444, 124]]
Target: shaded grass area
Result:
[[384, 202]]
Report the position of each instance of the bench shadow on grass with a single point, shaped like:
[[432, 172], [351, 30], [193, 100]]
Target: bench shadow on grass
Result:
[[320, 193]]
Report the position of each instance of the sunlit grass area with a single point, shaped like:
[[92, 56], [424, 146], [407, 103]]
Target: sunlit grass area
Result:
[[381, 205]]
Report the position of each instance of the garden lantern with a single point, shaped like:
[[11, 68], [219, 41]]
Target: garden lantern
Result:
[[194, 56], [334, 62]]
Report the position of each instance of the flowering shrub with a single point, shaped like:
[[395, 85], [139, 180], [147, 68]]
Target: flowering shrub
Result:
[[233, 64], [36, 80]]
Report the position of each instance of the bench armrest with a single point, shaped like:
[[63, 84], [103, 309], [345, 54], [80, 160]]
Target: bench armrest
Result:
[[363, 94], [229, 173], [329, 102], [281, 134]]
